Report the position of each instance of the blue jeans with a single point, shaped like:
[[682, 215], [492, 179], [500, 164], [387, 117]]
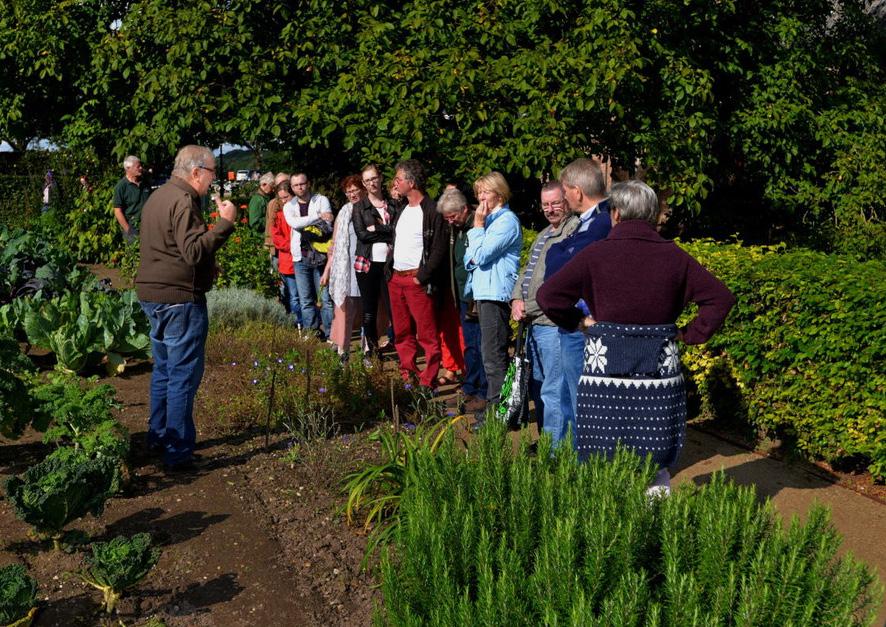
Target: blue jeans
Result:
[[178, 340], [307, 280], [293, 306], [547, 380], [475, 376], [572, 357]]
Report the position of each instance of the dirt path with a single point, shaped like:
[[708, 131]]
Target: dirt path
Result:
[[221, 563]]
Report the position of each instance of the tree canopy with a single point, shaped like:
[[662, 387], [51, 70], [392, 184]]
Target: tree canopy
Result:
[[751, 116]]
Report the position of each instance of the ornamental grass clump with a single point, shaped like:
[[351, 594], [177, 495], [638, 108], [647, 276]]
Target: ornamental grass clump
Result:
[[18, 596], [374, 492], [498, 537], [115, 566]]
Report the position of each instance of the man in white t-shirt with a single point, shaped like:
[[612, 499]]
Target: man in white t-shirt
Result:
[[416, 270]]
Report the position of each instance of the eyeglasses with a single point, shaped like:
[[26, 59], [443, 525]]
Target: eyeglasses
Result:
[[371, 179], [203, 167], [558, 204], [351, 192]]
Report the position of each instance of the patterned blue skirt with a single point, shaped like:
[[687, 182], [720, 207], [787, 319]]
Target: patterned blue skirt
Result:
[[631, 391]]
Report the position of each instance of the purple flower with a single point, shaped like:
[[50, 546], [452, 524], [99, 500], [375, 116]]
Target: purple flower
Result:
[[255, 363], [407, 386], [279, 360], [233, 363], [254, 381], [322, 390], [450, 412], [409, 426], [291, 367]]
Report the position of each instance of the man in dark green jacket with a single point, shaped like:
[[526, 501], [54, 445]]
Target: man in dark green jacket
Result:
[[258, 203]]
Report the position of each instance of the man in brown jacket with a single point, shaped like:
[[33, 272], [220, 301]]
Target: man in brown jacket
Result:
[[176, 270]]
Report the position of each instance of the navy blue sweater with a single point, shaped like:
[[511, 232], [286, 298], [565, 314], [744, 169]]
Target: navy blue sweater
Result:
[[561, 252]]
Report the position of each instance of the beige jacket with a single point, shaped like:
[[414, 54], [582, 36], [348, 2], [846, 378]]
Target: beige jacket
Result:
[[533, 311]]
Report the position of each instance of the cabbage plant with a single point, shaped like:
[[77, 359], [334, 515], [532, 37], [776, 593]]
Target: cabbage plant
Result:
[[115, 566], [18, 596]]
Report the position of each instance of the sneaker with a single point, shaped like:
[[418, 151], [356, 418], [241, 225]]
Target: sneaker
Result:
[[657, 492]]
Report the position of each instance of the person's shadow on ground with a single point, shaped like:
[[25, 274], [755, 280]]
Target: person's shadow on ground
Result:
[[704, 454]]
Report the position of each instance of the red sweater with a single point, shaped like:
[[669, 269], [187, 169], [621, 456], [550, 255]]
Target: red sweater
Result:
[[635, 276]]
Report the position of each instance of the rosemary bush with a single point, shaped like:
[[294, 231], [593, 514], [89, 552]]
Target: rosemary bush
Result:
[[234, 306], [498, 538]]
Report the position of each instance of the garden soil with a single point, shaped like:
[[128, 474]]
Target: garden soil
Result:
[[255, 535]]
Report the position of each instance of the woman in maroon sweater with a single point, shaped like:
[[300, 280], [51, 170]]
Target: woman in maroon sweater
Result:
[[635, 284]]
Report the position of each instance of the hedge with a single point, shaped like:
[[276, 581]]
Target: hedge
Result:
[[801, 354]]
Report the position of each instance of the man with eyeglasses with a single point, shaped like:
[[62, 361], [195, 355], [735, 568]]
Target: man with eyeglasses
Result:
[[308, 209], [544, 338], [176, 270]]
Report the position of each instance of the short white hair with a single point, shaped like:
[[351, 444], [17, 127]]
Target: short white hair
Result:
[[635, 200], [452, 201], [191, 157], [130, 161]]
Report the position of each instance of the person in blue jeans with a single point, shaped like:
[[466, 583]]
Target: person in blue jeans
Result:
[[545, 384], [175, 272], [584, 187], [301, 212]]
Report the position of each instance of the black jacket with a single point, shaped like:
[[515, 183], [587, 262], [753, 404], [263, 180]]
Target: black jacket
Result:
[[364, 215], [434, 268]]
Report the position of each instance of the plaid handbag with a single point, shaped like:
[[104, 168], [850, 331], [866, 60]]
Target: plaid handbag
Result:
[[361, 264]]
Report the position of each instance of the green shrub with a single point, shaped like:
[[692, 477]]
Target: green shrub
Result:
[[801, 353], [234, 306], [128, 261], [244, 262], [88, 229], [18, 595], [494, 537]]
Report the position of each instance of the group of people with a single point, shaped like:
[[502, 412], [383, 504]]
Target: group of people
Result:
[[599, 294]]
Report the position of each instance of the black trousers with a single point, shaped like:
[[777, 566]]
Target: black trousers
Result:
[[371, 284], [495, 335]]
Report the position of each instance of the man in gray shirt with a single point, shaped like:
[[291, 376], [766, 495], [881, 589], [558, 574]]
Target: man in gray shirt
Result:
[[545, 386]]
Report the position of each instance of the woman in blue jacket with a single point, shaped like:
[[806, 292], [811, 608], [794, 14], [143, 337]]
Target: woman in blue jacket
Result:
[[493, 260]]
